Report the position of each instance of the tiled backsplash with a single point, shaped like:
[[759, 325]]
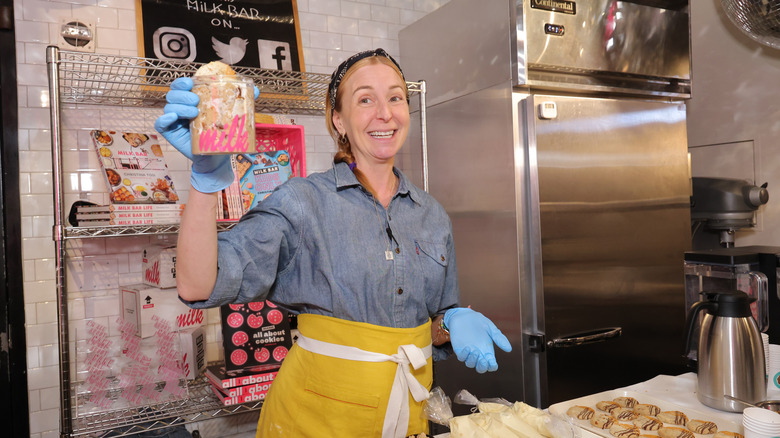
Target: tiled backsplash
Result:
[[331, 30]]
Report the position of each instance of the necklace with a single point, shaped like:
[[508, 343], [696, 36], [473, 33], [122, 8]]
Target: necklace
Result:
[[388, 252]]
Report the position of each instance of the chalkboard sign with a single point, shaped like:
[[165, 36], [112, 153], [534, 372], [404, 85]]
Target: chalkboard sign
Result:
[[249, 33]]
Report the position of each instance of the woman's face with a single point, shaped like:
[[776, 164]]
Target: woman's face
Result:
[[374, 113]]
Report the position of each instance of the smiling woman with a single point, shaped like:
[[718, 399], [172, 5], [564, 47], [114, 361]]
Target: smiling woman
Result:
[[376, 296]]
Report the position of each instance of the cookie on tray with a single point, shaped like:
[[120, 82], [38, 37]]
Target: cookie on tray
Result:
[[607, 406], [675, 432], [647, 409], [726, 434], [602, 421], [624, 430], [626, 402], [580, 412], [646, 422], [702, 427], [673, 417], [625, 414]]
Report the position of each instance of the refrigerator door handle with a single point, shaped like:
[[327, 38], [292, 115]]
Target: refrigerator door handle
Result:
[[589, 337]]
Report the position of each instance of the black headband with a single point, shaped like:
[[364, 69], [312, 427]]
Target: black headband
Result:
[[338, 74]]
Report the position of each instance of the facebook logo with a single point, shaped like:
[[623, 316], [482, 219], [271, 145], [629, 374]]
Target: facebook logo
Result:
[[274, 55]]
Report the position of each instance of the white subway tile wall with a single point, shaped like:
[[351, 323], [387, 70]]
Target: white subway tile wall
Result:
[[331, 30]]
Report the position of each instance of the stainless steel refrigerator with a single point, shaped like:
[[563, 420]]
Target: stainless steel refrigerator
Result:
[[557, 144]]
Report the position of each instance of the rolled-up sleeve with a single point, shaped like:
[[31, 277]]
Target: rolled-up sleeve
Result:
[[255, 250]]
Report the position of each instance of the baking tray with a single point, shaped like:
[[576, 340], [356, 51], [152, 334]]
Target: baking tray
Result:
[[724, 424]]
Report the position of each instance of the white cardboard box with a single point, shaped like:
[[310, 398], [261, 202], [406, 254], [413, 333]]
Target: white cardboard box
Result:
[[141, 302], [159, 266], [193, 351]]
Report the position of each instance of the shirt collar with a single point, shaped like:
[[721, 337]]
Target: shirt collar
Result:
[[345, 178]]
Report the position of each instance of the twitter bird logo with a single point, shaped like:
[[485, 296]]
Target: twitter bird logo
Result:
[[230, 53]]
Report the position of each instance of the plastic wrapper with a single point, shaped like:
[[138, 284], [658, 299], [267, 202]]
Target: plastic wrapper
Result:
[[226, 115], [496, 417], [438, 407]]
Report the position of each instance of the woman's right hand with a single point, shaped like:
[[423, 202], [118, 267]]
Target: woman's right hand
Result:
[[210, 173]]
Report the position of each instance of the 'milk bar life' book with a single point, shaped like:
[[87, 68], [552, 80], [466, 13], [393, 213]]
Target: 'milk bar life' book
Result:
[[134, 167]]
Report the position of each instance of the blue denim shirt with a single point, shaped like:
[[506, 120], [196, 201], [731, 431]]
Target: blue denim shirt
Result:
[[318, 245]]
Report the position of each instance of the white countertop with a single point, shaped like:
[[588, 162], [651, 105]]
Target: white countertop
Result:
[[681, 390]]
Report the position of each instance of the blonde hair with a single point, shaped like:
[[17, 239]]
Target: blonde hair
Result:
[[344, 153]]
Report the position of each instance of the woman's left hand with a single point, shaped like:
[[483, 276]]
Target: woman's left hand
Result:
[[472, 336]]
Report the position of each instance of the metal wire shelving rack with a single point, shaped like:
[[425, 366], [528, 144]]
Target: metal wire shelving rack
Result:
[[200, 405], [79, 78]]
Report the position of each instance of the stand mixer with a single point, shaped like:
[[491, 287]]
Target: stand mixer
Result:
[[724, 205]]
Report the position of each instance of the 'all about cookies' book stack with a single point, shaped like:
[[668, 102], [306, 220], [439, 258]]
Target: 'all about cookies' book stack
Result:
[[256, 338], [236, 387]]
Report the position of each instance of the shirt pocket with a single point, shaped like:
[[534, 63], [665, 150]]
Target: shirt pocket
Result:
[[433, 263]]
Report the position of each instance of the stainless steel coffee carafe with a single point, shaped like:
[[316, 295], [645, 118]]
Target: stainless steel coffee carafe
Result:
[[731, 353]]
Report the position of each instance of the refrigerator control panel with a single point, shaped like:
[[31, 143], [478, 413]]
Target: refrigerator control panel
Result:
[[554, 29], [548, 110]]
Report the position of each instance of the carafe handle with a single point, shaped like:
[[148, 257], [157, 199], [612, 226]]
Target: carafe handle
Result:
[[757, 282], [690, 324]]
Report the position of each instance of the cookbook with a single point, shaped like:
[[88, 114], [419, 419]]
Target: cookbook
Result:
[[134, 167], [258, 175], [254, 335], [225, 380]]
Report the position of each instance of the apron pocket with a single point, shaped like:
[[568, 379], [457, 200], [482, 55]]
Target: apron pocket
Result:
[[341, 410]]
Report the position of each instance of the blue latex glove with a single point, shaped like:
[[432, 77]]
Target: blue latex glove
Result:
[[210, 173], [472, 336]]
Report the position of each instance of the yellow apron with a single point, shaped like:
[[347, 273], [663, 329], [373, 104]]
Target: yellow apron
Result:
[[318, 395]]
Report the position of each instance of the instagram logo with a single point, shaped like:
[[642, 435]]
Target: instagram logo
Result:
[[174, 44]]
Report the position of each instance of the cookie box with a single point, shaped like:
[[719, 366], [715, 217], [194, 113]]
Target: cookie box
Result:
[[159, 266], [140, 303]]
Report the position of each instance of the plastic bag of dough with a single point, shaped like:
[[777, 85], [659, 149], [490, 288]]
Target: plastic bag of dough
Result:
[[480, 425], [546, 424], [464, 426], [464, 397], [438, 407], [533, 416], [495, 418], [519, 427]]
